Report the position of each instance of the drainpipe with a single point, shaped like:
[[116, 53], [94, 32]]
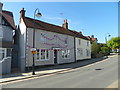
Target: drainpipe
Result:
[[75, 49]]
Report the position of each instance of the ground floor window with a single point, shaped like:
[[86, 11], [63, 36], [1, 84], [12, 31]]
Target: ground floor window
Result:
[[66, 54], [80, 51], [2, 53], [43, 54], [87, 52]]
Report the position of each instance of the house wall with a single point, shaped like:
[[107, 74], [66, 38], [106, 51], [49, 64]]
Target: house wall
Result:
[[0, 10], [21, 45], [81, 48], [0, 21], [40, 45], [7, 33]]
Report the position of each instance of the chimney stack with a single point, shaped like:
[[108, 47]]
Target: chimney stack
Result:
[[80, 32], [65, 24], [92, 36], [22, 13]]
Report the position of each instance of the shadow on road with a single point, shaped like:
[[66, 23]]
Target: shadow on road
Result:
[[72, 65]]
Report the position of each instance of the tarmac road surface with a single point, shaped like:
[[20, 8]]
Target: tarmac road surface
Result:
[[99, 75]]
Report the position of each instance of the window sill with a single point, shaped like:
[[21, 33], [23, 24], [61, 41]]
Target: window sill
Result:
[[43, 60]]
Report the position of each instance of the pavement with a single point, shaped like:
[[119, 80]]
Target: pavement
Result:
[[49, 70]]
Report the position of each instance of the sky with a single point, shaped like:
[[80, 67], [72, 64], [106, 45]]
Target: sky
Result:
[[92, 18]]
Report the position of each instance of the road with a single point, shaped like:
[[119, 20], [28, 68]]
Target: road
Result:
[[98, 75]]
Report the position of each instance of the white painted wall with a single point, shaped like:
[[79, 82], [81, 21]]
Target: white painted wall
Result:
[[22, 44], [40, 45], [82, 46]]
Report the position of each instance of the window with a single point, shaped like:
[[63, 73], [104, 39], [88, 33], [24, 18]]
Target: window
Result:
[[66, 41], [2, 53], [79, 41], [80, 51], [87, 52], [42, 39], [43, 54], [38, 53], [87, 43], [4, 22], [66, 54]]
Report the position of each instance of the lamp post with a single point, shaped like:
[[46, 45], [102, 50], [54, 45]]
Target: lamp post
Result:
[[37, 15], [107, 35]]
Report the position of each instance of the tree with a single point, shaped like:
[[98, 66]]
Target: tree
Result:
[[114, 43], [95, 48], [105, 50]]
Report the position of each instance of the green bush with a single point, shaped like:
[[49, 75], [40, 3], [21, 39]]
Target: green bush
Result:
[[95, 48], [105, 50]]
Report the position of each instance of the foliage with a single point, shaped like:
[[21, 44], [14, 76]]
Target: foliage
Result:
[[105, 50], [95, 48], [114, 43], [99, 50]]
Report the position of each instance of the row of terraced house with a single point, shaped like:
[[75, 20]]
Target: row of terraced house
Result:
[[54, 44]]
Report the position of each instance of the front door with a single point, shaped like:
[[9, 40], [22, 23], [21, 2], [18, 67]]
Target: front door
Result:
[[55, 56]]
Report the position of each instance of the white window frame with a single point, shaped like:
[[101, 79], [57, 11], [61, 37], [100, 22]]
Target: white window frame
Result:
[[87, 52], [80, 51], [3, 50], [79, 41], [66, 41], [66, 52], [42, 39], [40, 51], [87, 43]]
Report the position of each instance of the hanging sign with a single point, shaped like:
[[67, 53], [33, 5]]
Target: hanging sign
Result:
[[33, 50]]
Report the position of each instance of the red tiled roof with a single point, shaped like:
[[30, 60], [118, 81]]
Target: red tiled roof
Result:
[[93, 39], [46, 26], [9, 17], [78, 34], [52, 28]]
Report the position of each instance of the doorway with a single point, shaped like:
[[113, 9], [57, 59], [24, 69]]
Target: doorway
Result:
[[55, 56]]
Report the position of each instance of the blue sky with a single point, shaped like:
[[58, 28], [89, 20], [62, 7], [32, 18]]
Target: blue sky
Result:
[[92, 18]]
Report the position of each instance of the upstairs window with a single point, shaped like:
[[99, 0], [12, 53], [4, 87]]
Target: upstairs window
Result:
[[66, 42], [79, 40], [87, 43], [42, 39], [4, 22]]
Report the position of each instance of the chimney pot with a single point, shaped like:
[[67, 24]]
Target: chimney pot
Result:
[[92, 36], [22, 13], [80, 32], [65, 24]]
